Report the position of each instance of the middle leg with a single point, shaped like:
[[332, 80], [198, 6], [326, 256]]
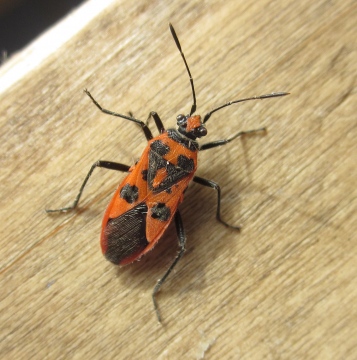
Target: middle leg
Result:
[[215, 186]]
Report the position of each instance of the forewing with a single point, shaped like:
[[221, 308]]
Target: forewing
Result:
[[147, 199], [123, 236]]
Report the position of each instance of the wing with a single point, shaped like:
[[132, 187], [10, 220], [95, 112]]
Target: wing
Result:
[[123, 236], [147, 199]]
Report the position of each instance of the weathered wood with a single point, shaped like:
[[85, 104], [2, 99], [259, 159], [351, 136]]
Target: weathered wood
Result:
[[283, 288]]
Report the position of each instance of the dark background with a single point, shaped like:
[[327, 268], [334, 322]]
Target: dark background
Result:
[[23, 20]]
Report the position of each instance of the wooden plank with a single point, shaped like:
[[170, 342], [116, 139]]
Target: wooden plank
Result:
[[285, 287]]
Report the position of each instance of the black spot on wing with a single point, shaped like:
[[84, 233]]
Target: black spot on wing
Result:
[[126, 234], [129, 193], [161, 212], [159, 147], [185, 163], [144, 174]]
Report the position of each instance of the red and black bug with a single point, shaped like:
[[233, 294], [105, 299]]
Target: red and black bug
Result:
[[147, 199]]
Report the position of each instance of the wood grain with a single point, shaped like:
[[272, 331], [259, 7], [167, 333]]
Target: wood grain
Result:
[[285, 287]]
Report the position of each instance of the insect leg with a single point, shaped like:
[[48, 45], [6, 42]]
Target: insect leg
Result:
[[182, 245], [213, 144], [100, 163], [215, 186], [143, 126], [157, 120]]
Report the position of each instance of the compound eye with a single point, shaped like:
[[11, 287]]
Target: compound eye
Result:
[[203, 131], [200, 131]]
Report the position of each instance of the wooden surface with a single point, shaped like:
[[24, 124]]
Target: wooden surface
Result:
[[285, 287]]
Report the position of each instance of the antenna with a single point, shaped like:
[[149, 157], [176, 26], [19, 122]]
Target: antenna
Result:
[[261, 97], [193, 108]]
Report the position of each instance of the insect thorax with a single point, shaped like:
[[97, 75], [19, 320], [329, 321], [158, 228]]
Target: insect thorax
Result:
[[183, 140]]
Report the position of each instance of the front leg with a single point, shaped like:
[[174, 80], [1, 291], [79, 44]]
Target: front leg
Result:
[[143, 126], [213, 144], [157, 120]]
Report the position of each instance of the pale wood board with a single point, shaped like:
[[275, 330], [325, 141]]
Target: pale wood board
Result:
[[283, 288]]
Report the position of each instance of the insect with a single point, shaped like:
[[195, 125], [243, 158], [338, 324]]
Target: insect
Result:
[[147, 199]]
